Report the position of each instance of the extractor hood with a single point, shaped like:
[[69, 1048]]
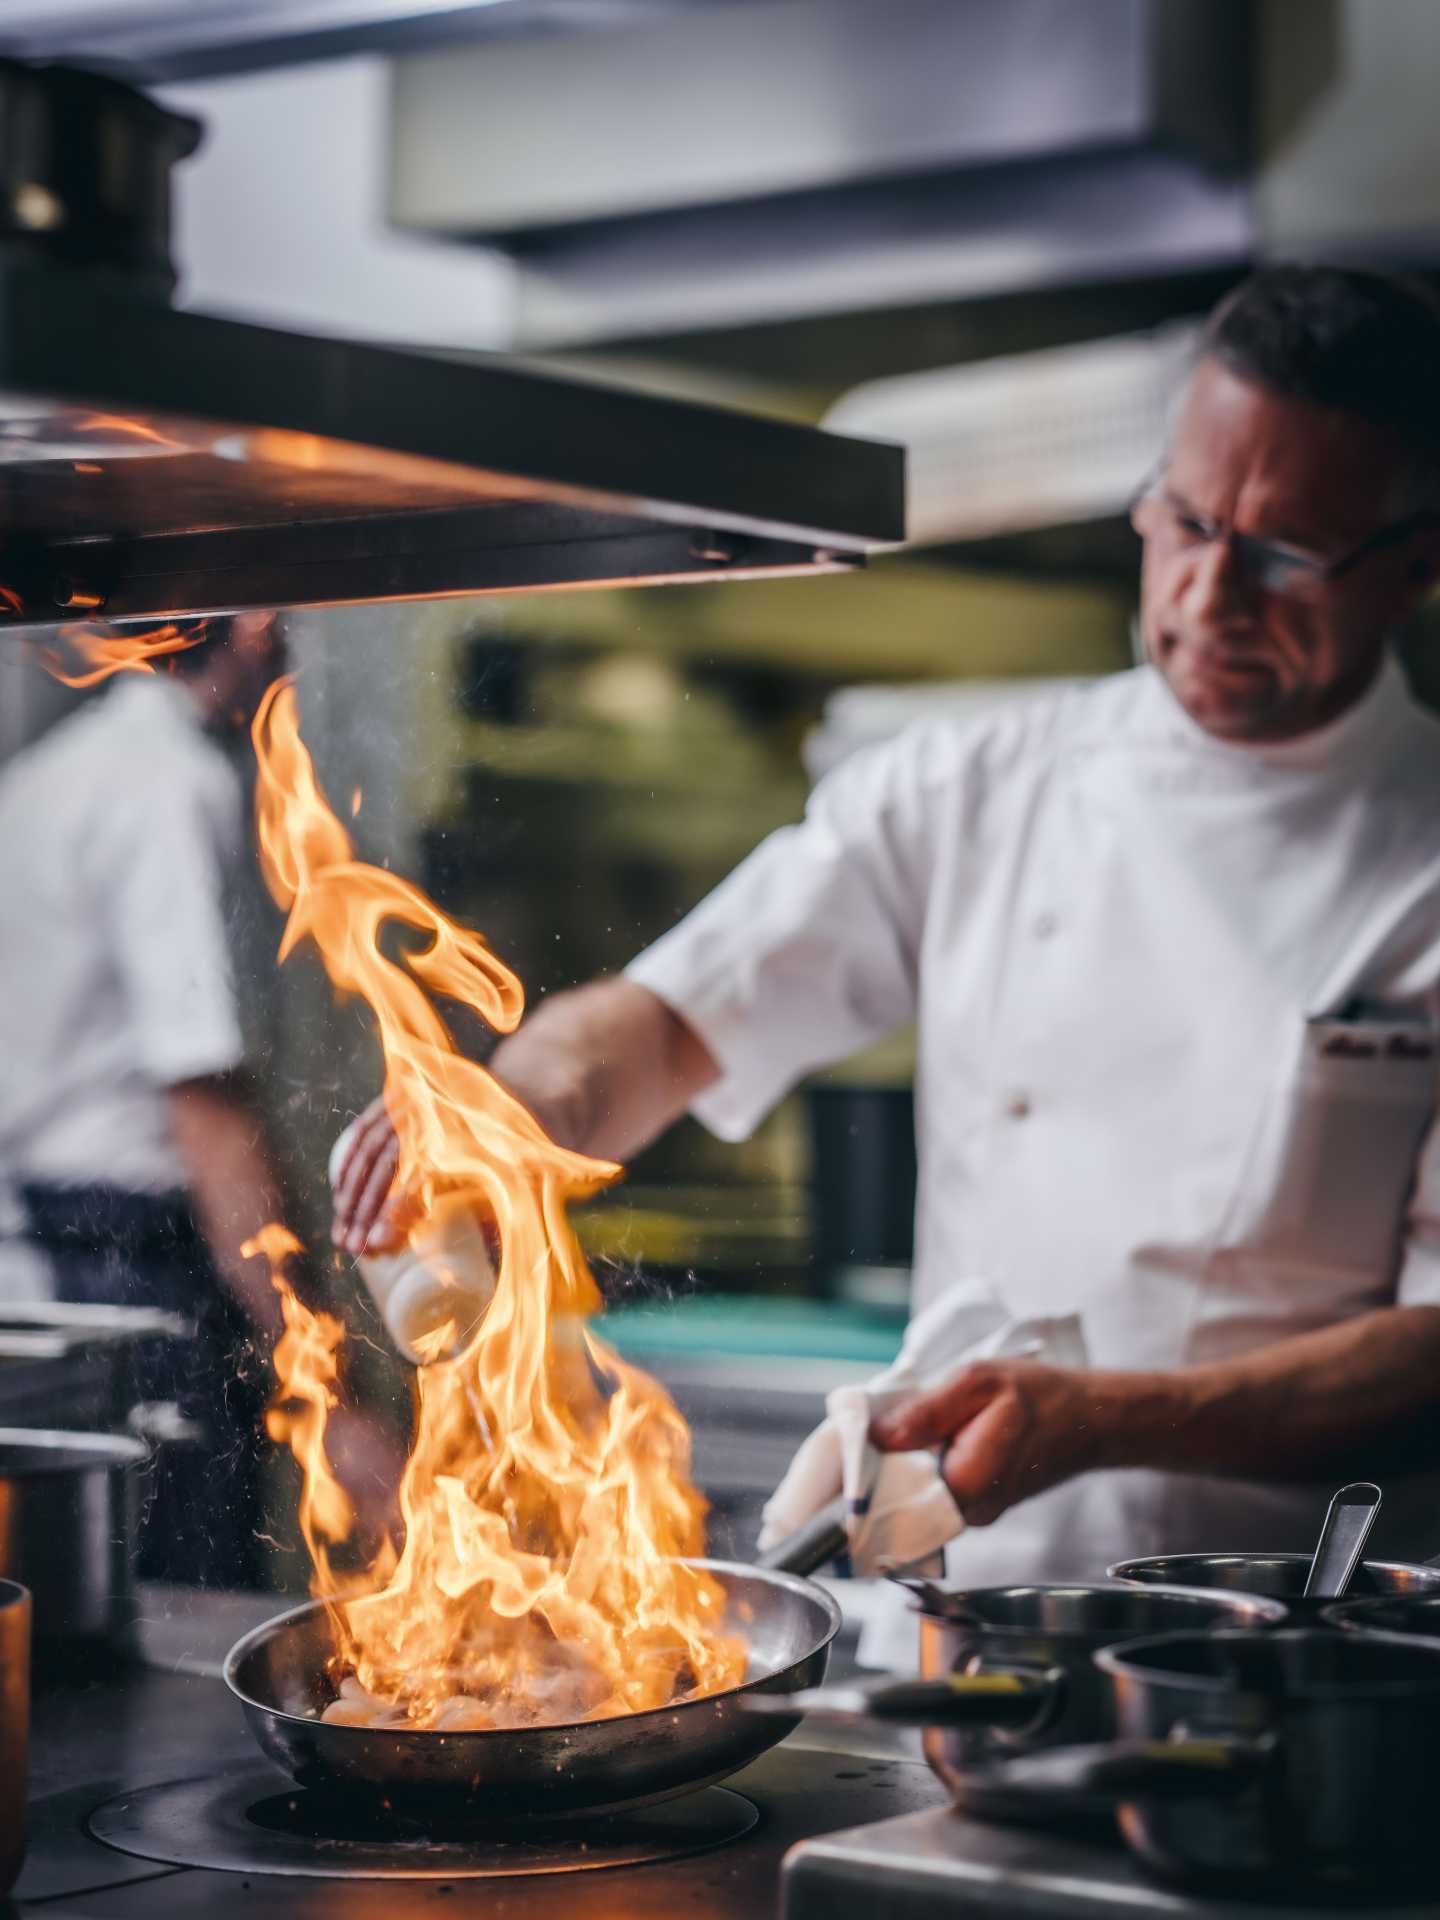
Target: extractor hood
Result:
[[722, 167], [156, 462]]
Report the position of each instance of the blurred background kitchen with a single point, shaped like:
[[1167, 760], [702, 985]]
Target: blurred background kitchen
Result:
[[983, 228]]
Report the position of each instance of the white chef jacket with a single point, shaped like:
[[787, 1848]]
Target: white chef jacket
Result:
[[116, 833], [1177, 1063]]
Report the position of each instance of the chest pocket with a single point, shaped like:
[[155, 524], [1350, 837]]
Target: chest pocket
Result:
[[1337, 1147]]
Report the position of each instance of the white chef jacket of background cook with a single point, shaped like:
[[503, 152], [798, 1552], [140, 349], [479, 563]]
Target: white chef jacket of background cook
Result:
[[1128, 947], [116, 833]]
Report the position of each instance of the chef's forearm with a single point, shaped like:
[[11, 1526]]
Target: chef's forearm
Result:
[[234, 1189], [1360, 1396], [605, 1068]]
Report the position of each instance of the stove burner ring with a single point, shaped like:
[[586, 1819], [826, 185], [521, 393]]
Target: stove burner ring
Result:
[[251, 1823]]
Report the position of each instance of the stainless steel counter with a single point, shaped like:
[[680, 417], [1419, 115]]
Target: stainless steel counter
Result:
[[934, 1863]]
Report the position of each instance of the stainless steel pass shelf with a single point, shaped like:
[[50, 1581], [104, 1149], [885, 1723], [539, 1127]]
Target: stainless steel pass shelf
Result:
[[156, 462]]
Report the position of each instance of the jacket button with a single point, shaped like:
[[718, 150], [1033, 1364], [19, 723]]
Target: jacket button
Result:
[[1045, 925], [1018, 1105]]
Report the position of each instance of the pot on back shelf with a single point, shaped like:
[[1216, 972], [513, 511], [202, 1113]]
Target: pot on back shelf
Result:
[[69, 1518]]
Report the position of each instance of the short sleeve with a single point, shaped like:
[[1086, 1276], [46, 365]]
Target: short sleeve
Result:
[[810, 949], [1419, 1280], [162, 903]]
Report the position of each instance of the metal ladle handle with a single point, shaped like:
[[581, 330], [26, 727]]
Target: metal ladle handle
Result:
[[1351, 1515]]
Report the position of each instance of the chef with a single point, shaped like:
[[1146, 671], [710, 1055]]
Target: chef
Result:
[[1172, 945]]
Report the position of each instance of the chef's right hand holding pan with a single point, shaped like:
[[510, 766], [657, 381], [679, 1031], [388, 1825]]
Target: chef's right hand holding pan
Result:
[[898, 1511], [1010, 1427]]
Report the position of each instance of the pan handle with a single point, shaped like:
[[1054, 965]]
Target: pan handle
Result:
[[992, 1697], [822, 1539], [1064, 1778]]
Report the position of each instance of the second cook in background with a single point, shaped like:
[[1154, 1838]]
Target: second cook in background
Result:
[[1173, 948]]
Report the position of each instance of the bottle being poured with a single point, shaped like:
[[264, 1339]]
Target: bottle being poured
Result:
[[432, 1292]]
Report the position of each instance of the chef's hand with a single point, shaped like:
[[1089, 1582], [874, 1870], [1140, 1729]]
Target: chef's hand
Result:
[[1009, 1428], [363, 1220]]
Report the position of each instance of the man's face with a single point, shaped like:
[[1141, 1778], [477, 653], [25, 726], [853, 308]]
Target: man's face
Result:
[[1246, 662]]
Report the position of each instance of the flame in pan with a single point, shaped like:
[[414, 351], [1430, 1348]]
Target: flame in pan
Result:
[[546, 1502]]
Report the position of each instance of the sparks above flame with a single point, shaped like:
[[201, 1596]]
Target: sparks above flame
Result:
[[546, 1502], [106, 653]]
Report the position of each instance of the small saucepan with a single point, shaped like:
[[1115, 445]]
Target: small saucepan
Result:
[[1280, 1575], [1299, 1761], [1009, 1670]]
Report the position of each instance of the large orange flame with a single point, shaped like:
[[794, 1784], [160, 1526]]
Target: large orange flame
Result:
[[108, 652], [305, 1361], [547, 1503]]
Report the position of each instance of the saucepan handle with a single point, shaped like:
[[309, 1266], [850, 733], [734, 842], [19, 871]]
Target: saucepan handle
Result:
[[822, 1539], [1182, 1769], [991, 1697]]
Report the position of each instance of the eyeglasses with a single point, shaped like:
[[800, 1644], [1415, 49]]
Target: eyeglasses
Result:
[[1271, 565]]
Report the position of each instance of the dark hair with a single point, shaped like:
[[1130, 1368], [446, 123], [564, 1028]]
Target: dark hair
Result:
[[1365, 343]]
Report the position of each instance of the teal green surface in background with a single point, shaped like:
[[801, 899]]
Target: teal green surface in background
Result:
[[756, 1324]]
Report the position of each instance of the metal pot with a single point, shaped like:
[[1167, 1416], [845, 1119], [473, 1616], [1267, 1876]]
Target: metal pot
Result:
[[1010, 1670], [69, 1515], [1047, 1638], [1415, 1616], [14, 1727], [1280, 1575], [1300, 1761]]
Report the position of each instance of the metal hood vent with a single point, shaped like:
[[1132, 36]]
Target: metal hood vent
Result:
[[721, 166], [154, 462]]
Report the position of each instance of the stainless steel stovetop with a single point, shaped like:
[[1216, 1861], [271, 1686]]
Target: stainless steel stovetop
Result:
[[138, 1772]]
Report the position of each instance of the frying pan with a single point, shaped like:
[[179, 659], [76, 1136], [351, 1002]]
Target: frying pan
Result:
[[278, 1674]]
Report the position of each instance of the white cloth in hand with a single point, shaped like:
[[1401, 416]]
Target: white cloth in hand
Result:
[[898, 1510]]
